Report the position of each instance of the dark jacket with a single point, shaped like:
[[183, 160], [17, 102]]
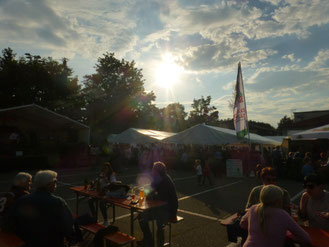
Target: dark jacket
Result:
[[165, 190], [42, 219], [18, 191]]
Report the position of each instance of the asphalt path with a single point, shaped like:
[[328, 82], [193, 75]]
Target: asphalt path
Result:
[[201, 206]]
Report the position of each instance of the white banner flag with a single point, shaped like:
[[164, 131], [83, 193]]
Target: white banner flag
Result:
[[240, 108]]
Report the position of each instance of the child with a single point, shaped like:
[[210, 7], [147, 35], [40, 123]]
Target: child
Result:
[[198, 169]]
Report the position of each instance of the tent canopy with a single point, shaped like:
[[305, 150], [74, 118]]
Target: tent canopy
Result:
[[139, 136], [203, 134], [321, 132]]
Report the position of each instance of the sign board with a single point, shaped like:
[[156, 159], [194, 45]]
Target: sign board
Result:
[[234, 168]]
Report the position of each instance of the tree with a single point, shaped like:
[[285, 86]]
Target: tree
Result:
[[115, 96], [33, 79], [261, 128], [285, 124], [173, 117], [202, 112]]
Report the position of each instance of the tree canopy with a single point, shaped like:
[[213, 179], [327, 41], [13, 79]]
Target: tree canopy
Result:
[[203, 112], [115, 95], [32, 79], [110, 100]]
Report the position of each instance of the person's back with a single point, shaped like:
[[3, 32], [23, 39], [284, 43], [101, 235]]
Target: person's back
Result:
[[278, 222], [267, 222], [41, 218], [166, 191], [20, 187]]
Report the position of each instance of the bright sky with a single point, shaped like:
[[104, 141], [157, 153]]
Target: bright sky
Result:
[[189, 48]]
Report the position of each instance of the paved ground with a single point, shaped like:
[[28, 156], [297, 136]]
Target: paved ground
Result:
[[201, 206]]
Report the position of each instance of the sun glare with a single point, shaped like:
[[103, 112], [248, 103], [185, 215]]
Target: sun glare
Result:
[[168, 72]]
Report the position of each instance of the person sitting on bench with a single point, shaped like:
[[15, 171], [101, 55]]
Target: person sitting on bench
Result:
[[41, 218], [20, 187], [267, 223], [163, 189], [268, 175]]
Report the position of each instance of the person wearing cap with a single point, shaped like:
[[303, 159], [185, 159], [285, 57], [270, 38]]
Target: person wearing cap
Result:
[[268, 176], [163, 189], [41, 218], [314, 204]]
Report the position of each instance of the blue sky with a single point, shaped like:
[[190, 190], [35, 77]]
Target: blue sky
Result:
[[189, 48]]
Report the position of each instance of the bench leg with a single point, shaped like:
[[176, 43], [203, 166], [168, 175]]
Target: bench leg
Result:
[[169, 235], [113, 211], [153, 233]]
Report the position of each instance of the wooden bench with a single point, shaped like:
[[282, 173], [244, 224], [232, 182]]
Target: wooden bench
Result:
[[117, 238], [229, 220], [8, 239]]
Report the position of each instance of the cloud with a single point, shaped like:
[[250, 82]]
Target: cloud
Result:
[[66, 28], [222, 57], [320, 61], [291, 57]]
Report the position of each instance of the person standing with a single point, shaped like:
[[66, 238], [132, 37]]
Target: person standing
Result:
[[41, 218], [206, 172], [163, 189], [198, 169]]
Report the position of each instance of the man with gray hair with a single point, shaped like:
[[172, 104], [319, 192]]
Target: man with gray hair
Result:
[[163, 189], [21, 186], [41, 218]]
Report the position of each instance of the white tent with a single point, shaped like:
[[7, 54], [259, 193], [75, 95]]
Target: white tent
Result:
[[203, 135], [321, 132], [210, 135], [139, 136], [277, 138]]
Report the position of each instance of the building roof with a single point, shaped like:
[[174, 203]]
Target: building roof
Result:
[[41, 116]]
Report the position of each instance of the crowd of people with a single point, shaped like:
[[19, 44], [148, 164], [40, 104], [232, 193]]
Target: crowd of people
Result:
[[42, 219], [288, 165]]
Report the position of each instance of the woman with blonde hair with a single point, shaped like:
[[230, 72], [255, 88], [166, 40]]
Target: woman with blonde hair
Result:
[[267, 222]]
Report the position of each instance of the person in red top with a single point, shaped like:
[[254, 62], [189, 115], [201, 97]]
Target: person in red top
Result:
[[206, 172]]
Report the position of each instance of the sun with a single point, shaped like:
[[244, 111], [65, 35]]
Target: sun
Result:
[[168, 72]]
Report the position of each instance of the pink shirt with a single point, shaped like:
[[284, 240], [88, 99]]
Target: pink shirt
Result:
[[279, 221]]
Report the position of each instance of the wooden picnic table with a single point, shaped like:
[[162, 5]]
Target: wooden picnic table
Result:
[[319, 237], [141, 206], [8, 239]]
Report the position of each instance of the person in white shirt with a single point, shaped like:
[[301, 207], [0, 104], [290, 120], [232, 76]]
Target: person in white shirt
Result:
[[198, 168]]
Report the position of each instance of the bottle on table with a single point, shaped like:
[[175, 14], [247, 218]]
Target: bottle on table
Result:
[[141, 193]]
